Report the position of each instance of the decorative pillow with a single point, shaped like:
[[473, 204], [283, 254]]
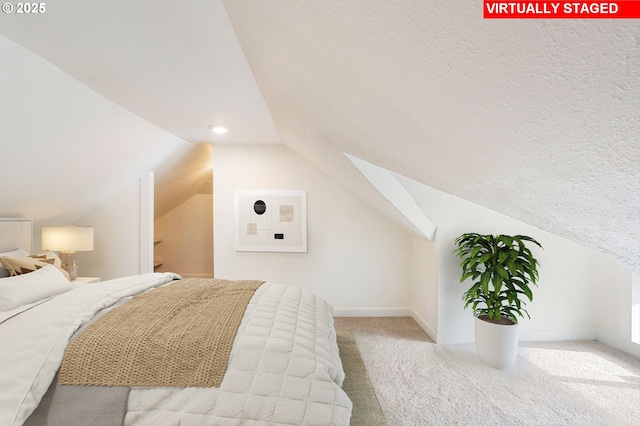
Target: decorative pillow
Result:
[[48, 257], [28, 288], [24, 265], [14, 253]]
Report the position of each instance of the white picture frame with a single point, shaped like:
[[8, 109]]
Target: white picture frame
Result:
[[271, 220]]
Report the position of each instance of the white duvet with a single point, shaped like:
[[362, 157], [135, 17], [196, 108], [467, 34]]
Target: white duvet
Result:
[[283, 369]]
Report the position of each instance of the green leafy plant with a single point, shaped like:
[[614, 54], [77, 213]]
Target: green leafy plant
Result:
[[502, 270]]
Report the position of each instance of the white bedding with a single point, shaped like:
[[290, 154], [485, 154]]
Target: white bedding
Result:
[[283, 369]]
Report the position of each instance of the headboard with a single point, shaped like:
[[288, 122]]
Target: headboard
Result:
[[16, 233]]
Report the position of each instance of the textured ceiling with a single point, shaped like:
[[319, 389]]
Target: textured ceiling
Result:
[[538, 119]]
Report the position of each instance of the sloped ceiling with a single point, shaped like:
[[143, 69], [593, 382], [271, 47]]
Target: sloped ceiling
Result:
[[95, 94], [175, 64], [65, 149], [181, 177], [537, 119]]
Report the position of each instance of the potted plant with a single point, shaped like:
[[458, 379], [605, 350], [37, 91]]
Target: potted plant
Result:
[[502, 270]]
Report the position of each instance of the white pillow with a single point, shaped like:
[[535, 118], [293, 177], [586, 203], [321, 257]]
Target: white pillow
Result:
[[28, 288], [12, 253]]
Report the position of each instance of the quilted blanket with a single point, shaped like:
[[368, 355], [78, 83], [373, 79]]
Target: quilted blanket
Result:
[[283, 369]]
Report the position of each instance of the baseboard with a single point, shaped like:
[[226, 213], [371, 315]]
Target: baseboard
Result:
[[374, 312], [386, 312], [628, 347], [424, 325], [542, 336]]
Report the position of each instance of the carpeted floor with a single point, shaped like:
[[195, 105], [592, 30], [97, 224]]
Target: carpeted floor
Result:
[[553, 383]]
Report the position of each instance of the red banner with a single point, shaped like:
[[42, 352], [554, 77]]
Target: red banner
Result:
[[623, 9]]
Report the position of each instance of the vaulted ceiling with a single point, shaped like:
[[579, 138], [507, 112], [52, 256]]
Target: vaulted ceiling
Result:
[[536, 119]]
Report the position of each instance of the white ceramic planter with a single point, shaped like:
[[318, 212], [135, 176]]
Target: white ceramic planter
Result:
[[496, 344]]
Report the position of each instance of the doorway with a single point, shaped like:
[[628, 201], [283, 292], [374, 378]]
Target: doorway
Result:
[[183, 213]]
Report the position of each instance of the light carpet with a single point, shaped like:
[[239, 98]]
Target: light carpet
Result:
[[554, 383]]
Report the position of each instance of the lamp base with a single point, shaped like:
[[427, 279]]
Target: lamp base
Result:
[[68, 259]]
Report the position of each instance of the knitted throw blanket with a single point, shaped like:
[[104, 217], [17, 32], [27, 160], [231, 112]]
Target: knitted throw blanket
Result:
[[177, 335]]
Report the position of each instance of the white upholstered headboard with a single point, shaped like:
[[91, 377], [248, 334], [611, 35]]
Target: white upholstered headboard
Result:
[[16, 233]]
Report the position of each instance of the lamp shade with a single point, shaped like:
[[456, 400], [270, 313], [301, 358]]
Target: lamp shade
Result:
[[67, 238]]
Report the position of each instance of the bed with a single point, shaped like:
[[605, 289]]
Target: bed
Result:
[[283, 363]]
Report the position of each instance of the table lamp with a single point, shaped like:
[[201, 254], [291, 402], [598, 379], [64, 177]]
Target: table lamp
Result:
[[68, 240]]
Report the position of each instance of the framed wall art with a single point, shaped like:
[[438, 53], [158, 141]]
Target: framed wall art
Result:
[[271, 220]]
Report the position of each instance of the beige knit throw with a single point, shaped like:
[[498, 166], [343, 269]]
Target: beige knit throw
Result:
[[177, 335]]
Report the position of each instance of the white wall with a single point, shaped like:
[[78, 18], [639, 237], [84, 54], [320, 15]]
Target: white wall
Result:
[[186, 235], [357, 259], [65, 149], [582, 294], [116, 246], [424, 285], [614, 302], [562, 307]]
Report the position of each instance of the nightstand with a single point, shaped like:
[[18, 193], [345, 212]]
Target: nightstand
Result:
[[84, 280]]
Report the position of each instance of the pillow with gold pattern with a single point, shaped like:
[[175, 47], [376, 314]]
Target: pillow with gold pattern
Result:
[[24, 265], [48, 257], [14, 253]]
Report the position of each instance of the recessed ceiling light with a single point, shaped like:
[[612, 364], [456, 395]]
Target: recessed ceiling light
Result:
[[219, 130]]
